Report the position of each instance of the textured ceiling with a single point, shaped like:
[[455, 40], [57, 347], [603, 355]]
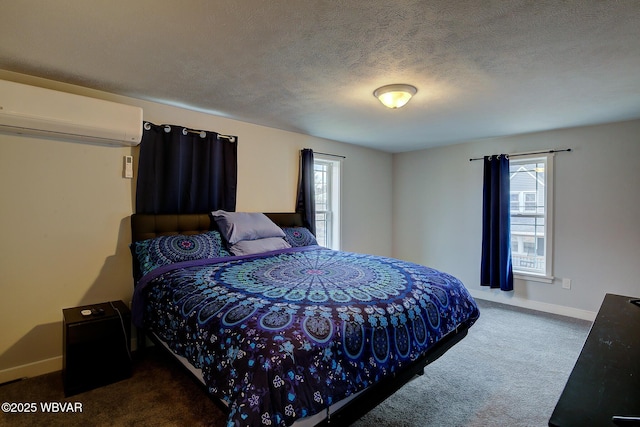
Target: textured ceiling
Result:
[[482, 68]]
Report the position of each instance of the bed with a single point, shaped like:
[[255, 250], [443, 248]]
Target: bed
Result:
[[280, 330]]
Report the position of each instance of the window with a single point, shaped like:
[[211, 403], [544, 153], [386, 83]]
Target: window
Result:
[[531, 196], [327, 188]]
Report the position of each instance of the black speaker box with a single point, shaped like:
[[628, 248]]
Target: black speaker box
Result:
[[96, 347]]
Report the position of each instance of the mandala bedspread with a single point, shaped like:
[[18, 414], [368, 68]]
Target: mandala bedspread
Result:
[[284, 335]]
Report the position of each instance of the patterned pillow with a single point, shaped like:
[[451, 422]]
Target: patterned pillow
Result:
[[166, 250], [299, 236]]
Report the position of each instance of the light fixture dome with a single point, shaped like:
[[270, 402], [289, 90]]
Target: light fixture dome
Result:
[[396, 95]]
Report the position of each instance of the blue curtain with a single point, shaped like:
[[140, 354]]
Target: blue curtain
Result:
[[306, 201], [185, 171], [496, 268]]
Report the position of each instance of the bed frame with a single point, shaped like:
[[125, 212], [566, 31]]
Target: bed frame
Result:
[[147, 226]]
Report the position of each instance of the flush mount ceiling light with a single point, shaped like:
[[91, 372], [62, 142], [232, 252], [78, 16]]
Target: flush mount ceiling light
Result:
[[395, 96]]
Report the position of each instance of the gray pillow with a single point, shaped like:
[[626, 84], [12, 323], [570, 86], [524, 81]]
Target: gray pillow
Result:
[[249, 247], [237, 226]]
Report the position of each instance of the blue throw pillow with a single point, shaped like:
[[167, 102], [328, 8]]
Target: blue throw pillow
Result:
[[299, 236]]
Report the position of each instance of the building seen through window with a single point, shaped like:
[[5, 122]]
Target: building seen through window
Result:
[[530, 231]]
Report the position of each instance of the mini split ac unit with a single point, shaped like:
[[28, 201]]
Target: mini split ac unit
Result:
[[31, 110]]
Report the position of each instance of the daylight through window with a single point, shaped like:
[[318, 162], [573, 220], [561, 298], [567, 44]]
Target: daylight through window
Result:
[[531, 189], [327, 188]]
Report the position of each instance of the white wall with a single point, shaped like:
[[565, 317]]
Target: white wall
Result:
[[64, 217], [437, 195]]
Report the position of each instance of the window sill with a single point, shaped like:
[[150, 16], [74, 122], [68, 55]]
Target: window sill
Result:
[[533, 277]]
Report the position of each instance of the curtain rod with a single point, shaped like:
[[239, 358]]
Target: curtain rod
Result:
[[332, 155], [527, 154], [202, 133]]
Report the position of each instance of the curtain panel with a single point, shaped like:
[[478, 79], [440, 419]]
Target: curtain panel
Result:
[[496, 267], [306, 200], [185, 171]]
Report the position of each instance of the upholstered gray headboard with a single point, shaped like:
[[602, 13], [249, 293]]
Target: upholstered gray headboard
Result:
[[148, 226]]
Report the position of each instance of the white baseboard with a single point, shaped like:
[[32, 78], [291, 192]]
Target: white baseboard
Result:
[[31, 369], [536, 305]]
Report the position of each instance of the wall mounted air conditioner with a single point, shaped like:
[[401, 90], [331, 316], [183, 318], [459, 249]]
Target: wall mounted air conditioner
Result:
[[30, 110]]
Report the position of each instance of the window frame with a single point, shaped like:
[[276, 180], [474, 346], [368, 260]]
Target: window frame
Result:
[[333, 217], [547, 276]]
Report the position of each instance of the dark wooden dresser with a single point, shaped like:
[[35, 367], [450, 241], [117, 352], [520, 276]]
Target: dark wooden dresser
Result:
[[605, 381]]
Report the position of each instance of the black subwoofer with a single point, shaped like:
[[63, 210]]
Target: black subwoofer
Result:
[[96, 346]]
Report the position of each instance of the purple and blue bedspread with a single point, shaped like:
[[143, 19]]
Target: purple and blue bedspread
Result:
[[284, 335]]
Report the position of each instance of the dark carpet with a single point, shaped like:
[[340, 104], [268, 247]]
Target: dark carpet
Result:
[[508, 371]]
